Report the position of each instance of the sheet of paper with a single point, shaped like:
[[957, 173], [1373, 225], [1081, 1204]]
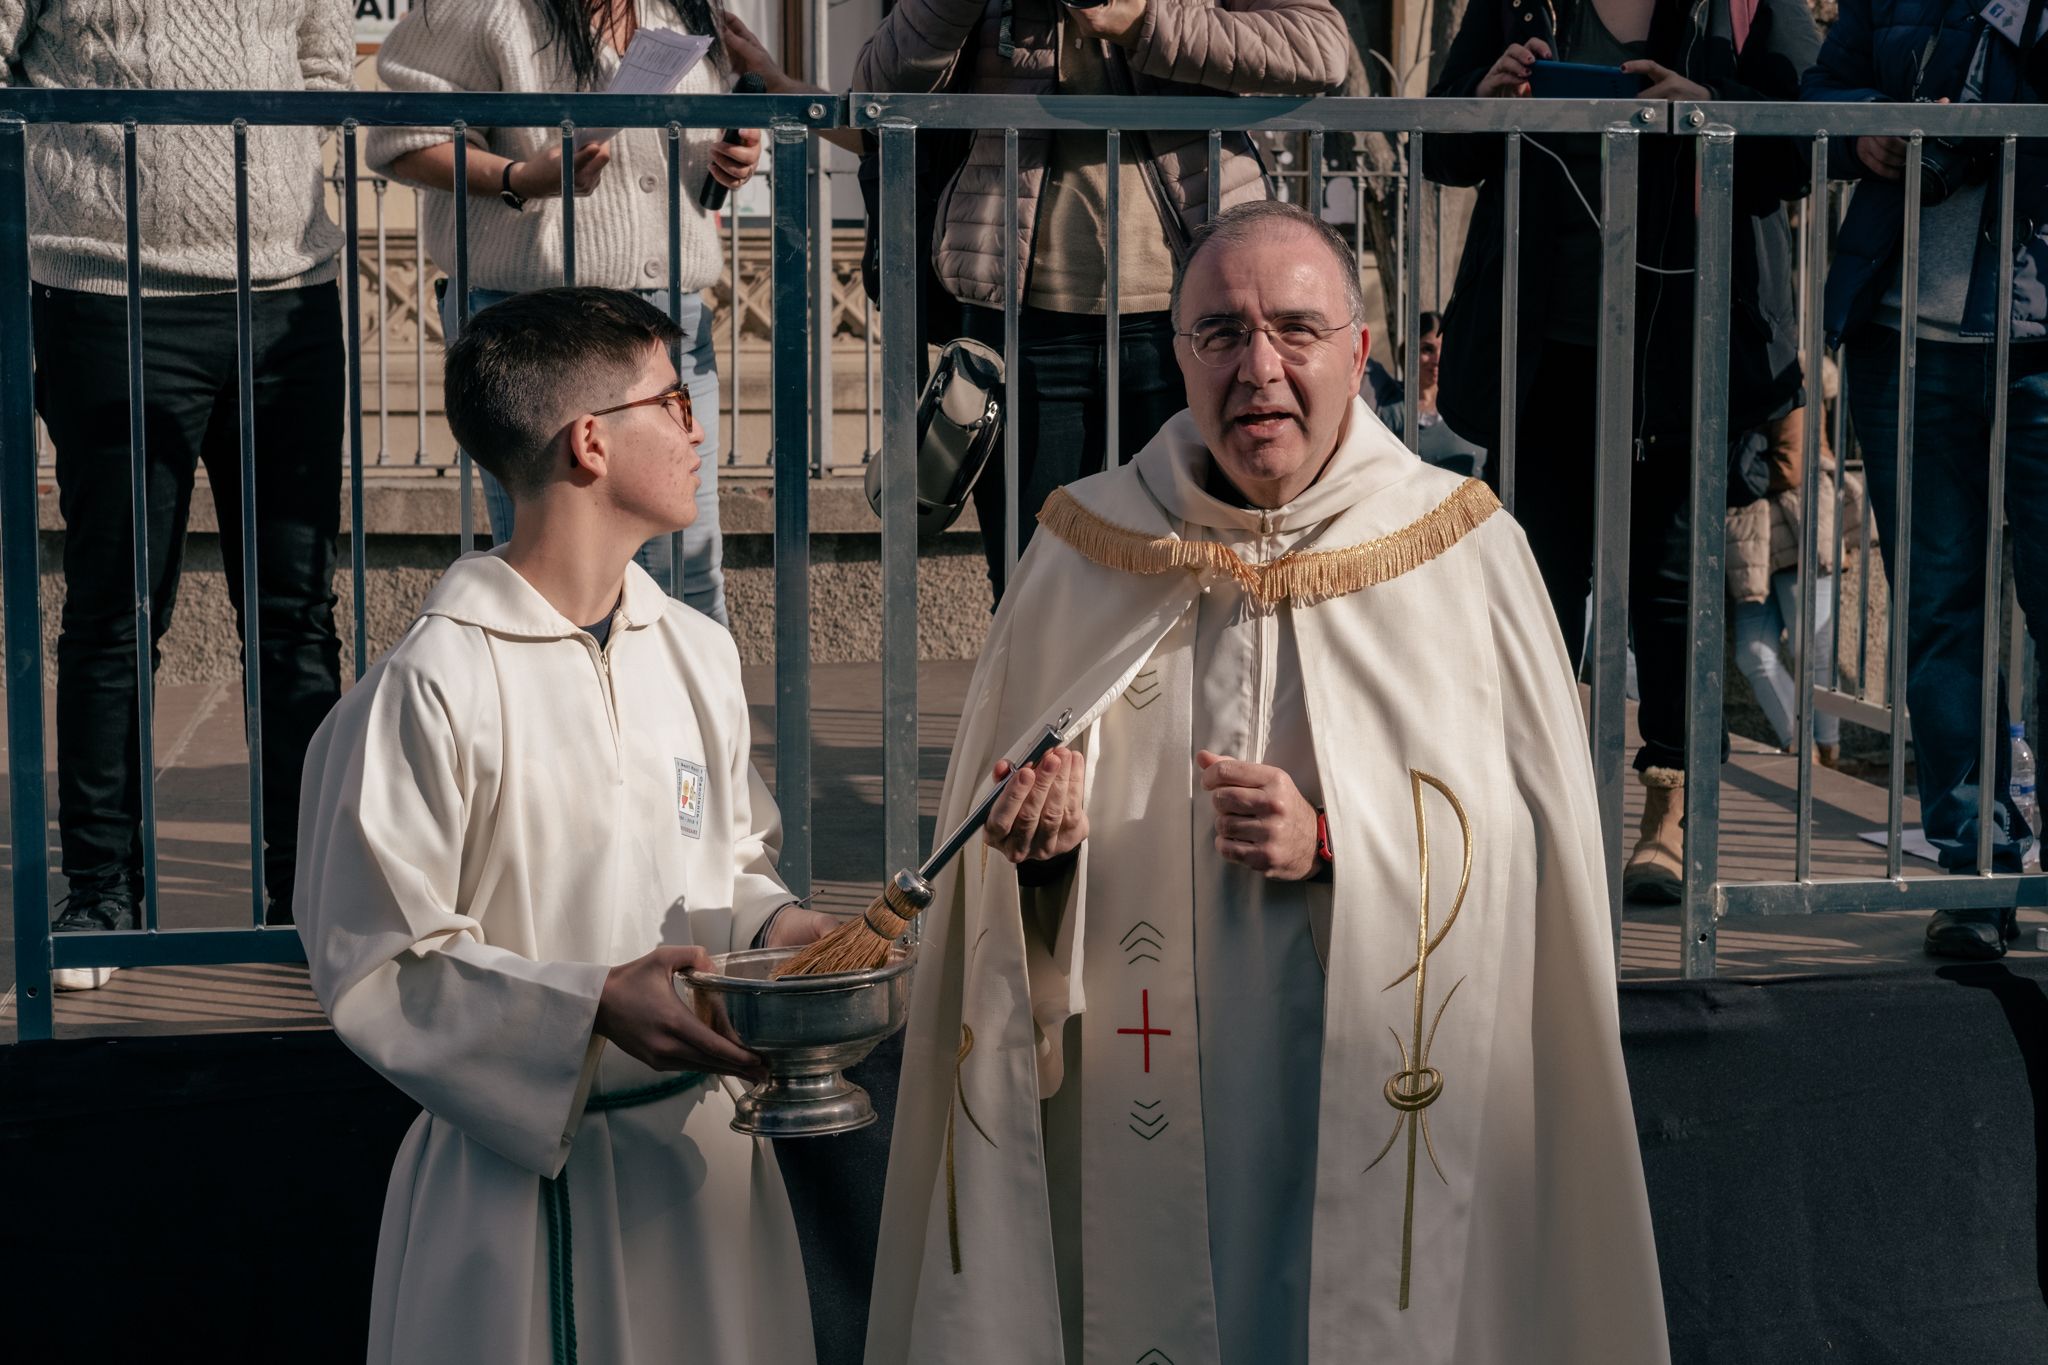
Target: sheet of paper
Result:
[[655, 63]]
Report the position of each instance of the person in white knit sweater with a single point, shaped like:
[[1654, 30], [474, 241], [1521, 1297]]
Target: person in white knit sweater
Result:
[[515, 211], [190, 378]]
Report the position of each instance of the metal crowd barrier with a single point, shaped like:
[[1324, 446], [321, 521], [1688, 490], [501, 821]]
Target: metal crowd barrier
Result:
[[1708, 899], [1620, 125], [800, 428], [790, 120]]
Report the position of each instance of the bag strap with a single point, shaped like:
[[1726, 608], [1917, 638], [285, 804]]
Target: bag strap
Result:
[[1177, 236]]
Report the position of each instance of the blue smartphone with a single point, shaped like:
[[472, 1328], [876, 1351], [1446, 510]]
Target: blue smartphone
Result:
[[1578, 81]]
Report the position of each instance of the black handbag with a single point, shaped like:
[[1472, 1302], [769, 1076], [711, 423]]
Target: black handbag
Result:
[[959, 423]]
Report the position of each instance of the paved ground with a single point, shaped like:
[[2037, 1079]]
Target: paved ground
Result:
[[203, 855]]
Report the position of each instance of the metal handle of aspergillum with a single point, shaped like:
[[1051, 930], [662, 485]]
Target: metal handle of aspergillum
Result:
[[916, 887]]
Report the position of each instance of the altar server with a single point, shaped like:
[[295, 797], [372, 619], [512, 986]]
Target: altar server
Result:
[[1279, 1023], [520, 824]]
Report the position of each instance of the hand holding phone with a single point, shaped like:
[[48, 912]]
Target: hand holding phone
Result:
[[1578, 81]]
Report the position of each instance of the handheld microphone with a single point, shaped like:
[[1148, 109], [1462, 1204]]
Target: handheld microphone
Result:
[[712, 196]]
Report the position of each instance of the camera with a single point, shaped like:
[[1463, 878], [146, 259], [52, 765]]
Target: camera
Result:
[[1950, 164]]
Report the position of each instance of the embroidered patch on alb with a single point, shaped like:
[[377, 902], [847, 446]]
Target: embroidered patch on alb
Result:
[[691, 780]]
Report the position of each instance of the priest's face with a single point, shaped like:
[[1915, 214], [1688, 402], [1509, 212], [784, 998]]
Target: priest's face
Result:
[[1272, 358]]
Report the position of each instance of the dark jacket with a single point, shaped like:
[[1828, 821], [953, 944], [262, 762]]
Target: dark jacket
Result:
[[1692, 37], [1873, 54]]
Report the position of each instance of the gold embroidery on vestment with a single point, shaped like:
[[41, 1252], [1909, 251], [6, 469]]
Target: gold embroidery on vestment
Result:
[[1417, 1085], [1299, 576]]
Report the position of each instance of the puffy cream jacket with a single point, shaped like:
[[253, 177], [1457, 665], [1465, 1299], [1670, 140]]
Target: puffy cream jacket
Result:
[[1182, 47]]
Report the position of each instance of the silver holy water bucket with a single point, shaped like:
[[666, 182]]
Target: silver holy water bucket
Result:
[[808, 1029]]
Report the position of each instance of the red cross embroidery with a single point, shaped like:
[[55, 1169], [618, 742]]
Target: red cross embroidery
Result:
[[1147, 1032]]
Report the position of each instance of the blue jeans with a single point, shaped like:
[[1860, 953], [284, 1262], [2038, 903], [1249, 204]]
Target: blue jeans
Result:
[[703, 580], [1757, 628], [1945, 609]]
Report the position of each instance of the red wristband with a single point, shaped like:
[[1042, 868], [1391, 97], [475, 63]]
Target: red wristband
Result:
[[1323, 839]]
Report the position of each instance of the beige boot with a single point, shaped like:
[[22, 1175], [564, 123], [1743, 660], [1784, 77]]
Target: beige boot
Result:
[[1655, 872], [1828, 755]]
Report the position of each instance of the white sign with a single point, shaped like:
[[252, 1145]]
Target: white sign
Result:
[[376, 18]]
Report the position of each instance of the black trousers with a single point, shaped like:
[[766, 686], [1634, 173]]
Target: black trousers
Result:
[[1555, 465], [191, 416], [1063, 412]]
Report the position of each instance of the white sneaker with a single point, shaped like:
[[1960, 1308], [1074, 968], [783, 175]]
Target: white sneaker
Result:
[[80, 978]]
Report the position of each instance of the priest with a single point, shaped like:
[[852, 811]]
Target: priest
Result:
[[521, 824], [1276, 1022]]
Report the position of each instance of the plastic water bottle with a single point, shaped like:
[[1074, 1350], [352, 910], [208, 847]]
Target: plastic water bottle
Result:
[[2023, 793]]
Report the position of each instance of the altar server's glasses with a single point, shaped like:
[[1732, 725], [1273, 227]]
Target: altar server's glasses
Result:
[[1220, 341], [676, 400]]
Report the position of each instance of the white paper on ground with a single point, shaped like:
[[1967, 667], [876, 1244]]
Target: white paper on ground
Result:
[[1914, 842], [655, 63]]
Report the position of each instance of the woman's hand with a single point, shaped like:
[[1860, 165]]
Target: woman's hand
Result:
[[1509, 77], [540, 177], [1117, 21], [733, 163], [1662, 83]]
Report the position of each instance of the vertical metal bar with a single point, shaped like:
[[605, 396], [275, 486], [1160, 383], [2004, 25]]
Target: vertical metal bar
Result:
[[1840, 440], [1510, 323], [1708, 588], [1902, 529], [1807, 580], [1436, 252], [732, 256], [1215, 172], [822, 403], [1620, 152], [1989, 730], [789, 379], [358, 554], [674, 147], [252, 635], [1315, 172], [378, 187], [1112, 302], [568, 202], [28, 800], [899, 259], [138, 509], [419, 333], [465, 535], [1013, 288], [1411, 297], [867, 377]]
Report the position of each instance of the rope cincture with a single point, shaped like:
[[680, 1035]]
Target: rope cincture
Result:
[[554, 1203]]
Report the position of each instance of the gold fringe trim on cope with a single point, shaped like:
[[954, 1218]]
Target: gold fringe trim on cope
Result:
[[1300, 577]]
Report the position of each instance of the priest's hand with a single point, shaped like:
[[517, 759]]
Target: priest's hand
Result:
[[643, 1016], [1043, 813], [1262, 820]]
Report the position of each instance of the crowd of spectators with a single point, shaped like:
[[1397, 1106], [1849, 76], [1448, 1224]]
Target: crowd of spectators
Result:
[[1728, 50]]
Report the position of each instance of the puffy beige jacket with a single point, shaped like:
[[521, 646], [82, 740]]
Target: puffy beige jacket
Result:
[[1182, 47], [1763, 538]]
